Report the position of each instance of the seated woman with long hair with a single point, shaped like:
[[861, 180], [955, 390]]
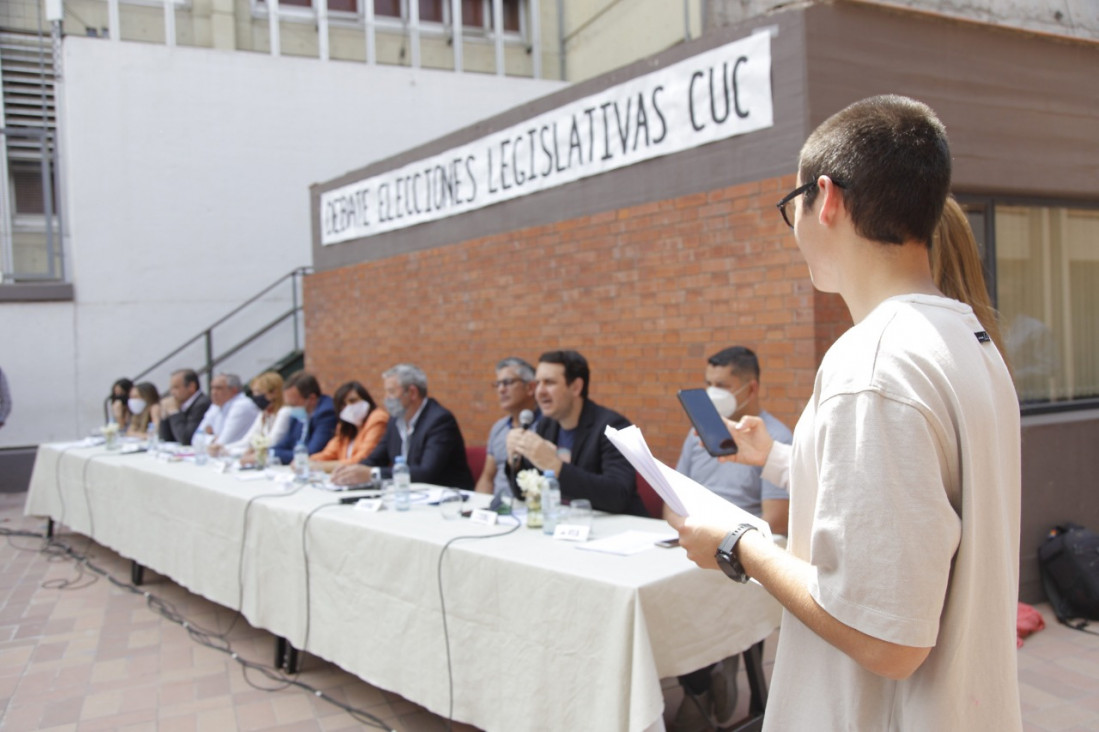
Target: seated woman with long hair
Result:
[[272, 422], [360, 428], [144, 405], [120, 394]]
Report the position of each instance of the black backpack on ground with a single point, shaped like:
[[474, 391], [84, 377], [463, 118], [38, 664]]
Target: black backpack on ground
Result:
[[1068, 561]]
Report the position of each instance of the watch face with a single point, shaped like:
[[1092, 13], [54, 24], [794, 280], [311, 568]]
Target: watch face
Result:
[[727, 560], [726, 566]]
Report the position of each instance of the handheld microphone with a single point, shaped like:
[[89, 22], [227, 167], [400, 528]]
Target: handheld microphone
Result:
[[526, 418]]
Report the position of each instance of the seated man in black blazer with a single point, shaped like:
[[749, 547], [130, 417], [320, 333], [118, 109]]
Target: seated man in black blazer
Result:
[[180, 426], [570, 439], [419, 428]]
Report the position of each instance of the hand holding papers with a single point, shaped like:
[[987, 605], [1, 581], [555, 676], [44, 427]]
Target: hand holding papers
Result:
[[683, 495]]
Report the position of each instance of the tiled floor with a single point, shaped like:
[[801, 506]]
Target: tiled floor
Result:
[[78, 652]]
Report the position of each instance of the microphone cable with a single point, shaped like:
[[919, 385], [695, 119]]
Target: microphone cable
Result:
[[305, 560], [55, 549], [442, 606], [240, 559]]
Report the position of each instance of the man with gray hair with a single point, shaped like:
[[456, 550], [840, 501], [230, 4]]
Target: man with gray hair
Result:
[[420, 429], [231, 414], [514, 387]]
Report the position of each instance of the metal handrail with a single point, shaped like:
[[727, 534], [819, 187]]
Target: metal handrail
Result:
[[207, 333]]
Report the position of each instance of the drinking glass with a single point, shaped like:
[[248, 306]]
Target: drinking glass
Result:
[[450, 503], [580, 513], [199, 443]]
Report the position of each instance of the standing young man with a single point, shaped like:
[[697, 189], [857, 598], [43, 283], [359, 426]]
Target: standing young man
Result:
[[901, 575]]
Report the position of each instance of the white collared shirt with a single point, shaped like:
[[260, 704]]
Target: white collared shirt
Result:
[[406, 429]]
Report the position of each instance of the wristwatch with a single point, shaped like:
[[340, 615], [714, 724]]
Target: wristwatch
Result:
[[726, 554]]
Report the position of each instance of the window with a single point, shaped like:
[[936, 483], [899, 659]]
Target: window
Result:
[[478, 14], [431, 11], [1047, 291], [387, 8], [30, 241]]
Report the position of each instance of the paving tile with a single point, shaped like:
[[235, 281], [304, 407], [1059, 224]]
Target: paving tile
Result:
[[255, 716], [25, 716], [188, 723], [114, 722], [291, 708], [215, 720], [62, 711], [49, 652], [140, 727], [15, 655], [104, 704], [176, 692], [213, 685]]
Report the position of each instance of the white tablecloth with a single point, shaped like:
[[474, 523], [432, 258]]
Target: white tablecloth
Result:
[[543, 635]]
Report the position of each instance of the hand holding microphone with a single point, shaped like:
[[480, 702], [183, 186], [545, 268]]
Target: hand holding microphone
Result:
[[526, 419]]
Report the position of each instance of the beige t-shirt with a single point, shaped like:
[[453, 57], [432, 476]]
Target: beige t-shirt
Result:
[[904, 486]]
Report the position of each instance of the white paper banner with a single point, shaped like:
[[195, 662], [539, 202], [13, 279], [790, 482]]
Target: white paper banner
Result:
[[708, 97]]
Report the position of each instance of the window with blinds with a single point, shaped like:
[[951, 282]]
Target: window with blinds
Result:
[[29, 228]]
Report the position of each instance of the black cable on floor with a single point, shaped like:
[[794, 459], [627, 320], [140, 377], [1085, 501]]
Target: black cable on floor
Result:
[[220, 643]]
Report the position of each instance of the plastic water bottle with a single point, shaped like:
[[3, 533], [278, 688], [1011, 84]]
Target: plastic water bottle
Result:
[[301, 462], [199, 443], [151, 439], [551, 502], [402, 484]]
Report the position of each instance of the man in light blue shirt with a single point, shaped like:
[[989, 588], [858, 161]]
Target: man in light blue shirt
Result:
[[514, 388], [732, 382]]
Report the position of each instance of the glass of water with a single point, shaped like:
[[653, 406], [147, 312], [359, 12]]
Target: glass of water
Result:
[[579, 513], [450, 503]]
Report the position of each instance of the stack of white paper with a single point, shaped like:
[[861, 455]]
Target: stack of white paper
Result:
[[683, 495]]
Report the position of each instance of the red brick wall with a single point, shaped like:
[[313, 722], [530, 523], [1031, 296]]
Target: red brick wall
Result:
[[646, 293]]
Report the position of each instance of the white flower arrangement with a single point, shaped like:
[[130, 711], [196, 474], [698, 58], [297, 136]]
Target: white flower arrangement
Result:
[[531, 482], [110, 435], [259, 441]]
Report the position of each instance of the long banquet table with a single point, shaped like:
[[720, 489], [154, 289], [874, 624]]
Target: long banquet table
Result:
[[542, 634]]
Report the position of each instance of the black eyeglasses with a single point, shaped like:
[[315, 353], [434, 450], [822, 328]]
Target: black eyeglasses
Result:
[[797, 192], [506, 383]]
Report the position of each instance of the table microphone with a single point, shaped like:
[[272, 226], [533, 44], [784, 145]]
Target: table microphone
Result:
[[526, 418]]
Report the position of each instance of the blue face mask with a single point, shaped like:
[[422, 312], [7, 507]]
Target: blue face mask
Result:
[[299, 414]]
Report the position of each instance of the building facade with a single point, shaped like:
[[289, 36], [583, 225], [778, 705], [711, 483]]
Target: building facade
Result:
[[649, 268]]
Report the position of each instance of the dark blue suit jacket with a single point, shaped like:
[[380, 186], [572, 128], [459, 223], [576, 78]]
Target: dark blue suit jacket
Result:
[[322, 425], [436, 450]]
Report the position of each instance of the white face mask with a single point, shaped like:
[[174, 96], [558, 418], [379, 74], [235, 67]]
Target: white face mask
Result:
[[724, 400], [355, 413], [136, 405]]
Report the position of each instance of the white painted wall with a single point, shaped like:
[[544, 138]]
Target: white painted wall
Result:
[[186, 188]]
